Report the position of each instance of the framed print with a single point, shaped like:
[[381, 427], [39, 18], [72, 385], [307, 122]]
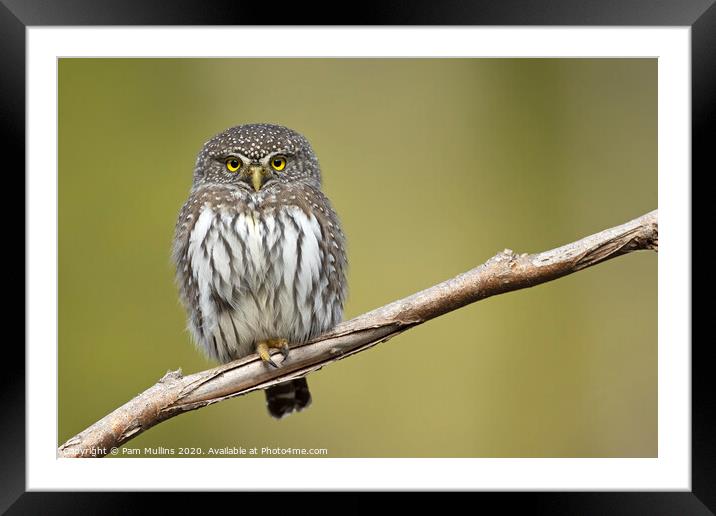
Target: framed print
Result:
[[207, 203]]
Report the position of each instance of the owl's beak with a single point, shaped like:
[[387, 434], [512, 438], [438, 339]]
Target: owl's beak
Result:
[[258, 176]]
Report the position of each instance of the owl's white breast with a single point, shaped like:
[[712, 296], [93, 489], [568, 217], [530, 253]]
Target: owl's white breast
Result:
[[258, 275]]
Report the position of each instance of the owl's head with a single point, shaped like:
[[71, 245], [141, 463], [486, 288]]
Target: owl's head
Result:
[[257, 157]]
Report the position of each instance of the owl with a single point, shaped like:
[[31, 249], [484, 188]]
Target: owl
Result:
[[259, 252]]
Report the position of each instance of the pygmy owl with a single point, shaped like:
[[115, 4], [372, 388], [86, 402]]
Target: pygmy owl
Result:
[[259, 252]]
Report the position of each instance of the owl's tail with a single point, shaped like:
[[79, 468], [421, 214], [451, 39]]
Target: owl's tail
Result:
[[287, 397]]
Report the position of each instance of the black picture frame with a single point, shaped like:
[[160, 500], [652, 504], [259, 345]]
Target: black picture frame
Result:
[[700, 15]]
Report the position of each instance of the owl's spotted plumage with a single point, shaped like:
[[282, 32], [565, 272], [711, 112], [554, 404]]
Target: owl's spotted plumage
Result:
[[259, 251]]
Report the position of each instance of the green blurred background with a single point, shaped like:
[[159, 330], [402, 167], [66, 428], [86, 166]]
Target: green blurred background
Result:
[[433, 165]]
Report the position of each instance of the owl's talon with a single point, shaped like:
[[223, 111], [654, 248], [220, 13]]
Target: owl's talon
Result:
[[262, 348]]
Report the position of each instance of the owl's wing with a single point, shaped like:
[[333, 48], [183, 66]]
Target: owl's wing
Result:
[[188, 289], [332, 246]]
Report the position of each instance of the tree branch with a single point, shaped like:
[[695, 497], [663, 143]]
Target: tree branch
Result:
[[175, 394]]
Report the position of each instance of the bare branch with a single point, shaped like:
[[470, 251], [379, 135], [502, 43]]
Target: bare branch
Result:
[[504, 272]]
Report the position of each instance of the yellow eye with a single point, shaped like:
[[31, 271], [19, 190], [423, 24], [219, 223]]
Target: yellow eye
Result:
[[233, 164], [278, 163]]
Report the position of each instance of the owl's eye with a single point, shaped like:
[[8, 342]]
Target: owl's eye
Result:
[[233, 164], [278, 163]]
